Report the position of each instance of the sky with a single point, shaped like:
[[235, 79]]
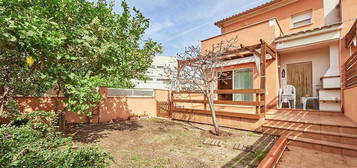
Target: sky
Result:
[[177, 24]]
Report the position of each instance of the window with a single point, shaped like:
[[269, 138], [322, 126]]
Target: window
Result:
[[243, 79], [225, 81], [117, 92], [301, 19]]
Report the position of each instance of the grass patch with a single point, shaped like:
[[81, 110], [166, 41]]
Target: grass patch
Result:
[[261, 154], [252, 134]]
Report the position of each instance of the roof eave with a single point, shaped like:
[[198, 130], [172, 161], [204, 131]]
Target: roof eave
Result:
[[266, 7]]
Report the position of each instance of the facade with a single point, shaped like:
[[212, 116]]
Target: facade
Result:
[[309, 39], [156, 74], [309, 45]]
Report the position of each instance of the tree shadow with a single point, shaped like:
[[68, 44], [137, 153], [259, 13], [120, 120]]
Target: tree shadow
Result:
[[252, 158], [89, 133]]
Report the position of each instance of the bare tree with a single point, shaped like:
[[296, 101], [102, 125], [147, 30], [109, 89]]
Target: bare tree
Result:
[[200, 70]]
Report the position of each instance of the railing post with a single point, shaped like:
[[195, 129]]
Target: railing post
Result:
[[171, 104], [257, 99], [205, 104]]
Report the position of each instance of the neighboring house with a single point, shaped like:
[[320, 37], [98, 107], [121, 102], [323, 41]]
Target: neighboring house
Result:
[[156, 75]]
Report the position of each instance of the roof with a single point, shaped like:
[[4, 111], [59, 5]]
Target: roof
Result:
[[308, 31], [248, 11]]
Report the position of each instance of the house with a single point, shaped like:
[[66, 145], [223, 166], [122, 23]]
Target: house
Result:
[[156, 74], [308, 44]]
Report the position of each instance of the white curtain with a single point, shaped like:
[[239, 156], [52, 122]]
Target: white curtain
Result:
[[243, 79]]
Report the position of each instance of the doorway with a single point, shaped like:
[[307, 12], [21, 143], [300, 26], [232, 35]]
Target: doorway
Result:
[[300, 76]]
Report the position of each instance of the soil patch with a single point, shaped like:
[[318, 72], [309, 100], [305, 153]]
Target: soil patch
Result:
[[166, 143]]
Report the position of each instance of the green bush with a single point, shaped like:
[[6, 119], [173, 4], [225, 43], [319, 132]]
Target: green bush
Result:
[[38, 145]]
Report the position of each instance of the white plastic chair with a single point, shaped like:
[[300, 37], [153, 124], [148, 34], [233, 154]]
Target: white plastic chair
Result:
[[286, 94]]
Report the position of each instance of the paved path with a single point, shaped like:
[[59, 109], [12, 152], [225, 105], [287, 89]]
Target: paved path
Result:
[[298, 157]]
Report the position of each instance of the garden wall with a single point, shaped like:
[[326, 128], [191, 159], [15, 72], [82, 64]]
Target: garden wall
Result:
[[111, 108]]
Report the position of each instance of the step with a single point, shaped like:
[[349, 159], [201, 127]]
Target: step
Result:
[[334, 120], [301, 111], [342, 129], [329, 136], [325, 146]]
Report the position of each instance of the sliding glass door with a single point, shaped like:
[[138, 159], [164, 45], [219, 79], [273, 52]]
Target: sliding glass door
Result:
[[243, 79]]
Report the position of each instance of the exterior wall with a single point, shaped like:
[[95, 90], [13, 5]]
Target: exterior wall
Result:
[[283, 15], [350, 105], [348, 17], [111, 108], [156, 74], [331, 11], [320, 63], [121, 108], [247, 36]]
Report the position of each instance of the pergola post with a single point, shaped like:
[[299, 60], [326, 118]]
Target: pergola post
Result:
[[263, 74]]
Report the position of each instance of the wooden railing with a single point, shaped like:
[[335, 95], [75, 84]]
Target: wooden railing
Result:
[[259, 103], [350, 71]]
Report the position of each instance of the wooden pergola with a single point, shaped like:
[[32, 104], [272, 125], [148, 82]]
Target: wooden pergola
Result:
[[351, 35], [261, 50]]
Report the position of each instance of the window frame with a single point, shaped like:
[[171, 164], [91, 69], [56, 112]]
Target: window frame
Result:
[[233, 81], [301, 13]]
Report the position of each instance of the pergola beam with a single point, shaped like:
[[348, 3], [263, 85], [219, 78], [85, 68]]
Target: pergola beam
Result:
[[251, 49], [351, 35]]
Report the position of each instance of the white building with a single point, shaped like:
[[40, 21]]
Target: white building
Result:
[[156, 74]]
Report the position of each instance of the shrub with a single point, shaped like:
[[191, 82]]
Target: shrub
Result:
[[37, 145]]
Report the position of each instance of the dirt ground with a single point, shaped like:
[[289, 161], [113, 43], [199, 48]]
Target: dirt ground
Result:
[[166, 143]]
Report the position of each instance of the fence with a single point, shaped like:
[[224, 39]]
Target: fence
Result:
[[192, 106], [350, 68], [350, 87]]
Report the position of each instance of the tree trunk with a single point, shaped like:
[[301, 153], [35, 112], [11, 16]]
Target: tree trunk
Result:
[[62, 122], [60, 112], [210, 97]]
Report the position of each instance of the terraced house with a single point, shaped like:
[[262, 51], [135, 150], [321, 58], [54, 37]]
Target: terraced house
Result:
[[305, 78]]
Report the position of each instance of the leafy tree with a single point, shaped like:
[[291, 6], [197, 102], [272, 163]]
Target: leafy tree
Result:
[[72, 46]]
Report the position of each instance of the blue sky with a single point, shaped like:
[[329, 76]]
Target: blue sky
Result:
[[180, 23]]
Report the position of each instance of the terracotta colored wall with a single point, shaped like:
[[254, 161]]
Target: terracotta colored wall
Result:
[[348, 14], [350, 105], [246, 36], [284, 14], [121, 108], [161, 95], [29, 104], [111, 108]]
